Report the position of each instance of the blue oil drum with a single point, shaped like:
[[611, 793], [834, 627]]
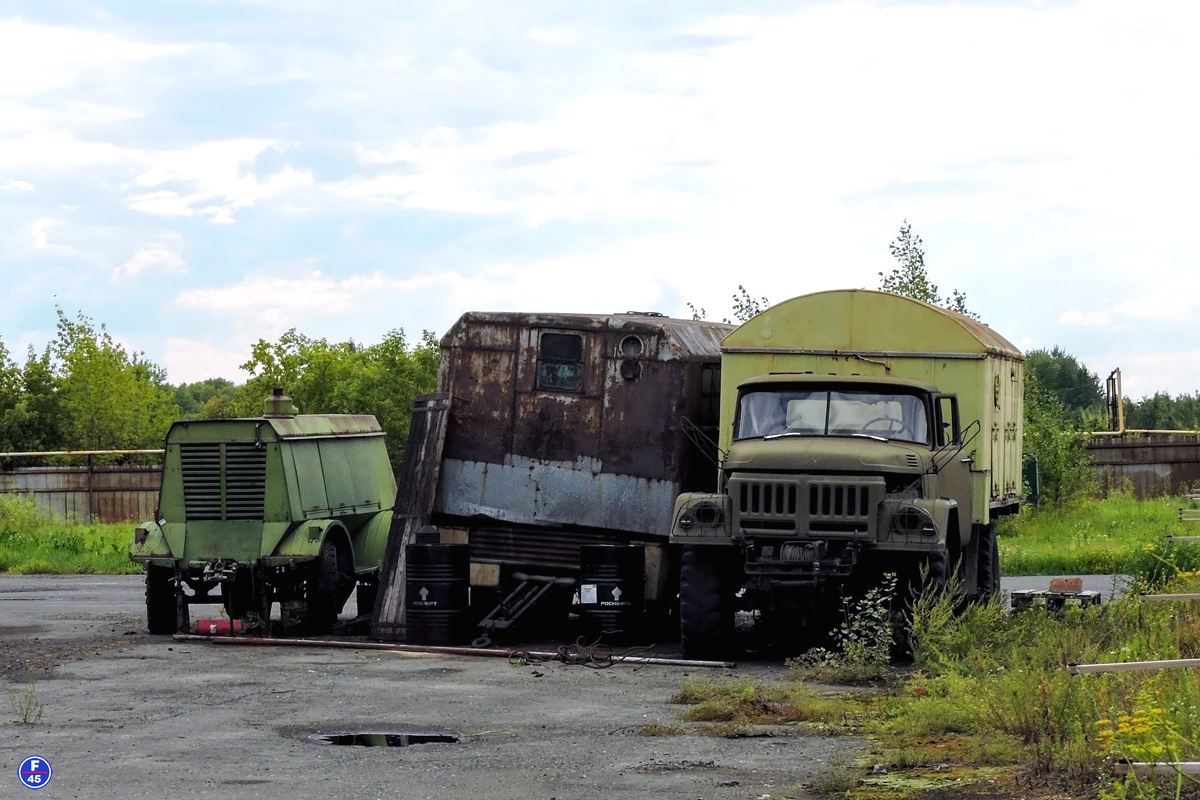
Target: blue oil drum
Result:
[[437, 580], [612, 591]]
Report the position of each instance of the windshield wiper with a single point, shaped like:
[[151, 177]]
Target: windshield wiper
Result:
[[872, 436], [770, 436]]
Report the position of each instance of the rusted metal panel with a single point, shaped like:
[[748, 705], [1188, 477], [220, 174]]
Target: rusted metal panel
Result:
[[551, 493], [109, 494], [574, 420], [481, 380], [640, 375], [641, 433], [415, 491], [558, 425], [1153, 464]]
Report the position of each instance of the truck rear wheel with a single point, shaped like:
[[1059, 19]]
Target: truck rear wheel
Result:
[[987, 569], [706, 601], [161, 616]]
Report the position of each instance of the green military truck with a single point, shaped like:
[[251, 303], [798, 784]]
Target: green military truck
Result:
[[283, 508], [862, 433]]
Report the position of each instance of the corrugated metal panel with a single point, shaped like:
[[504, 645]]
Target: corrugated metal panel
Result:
[[114, 494], [535, 547], [1154, 464], [556, 494]]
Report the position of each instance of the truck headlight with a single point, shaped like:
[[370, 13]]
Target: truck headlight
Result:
[[910, 520]]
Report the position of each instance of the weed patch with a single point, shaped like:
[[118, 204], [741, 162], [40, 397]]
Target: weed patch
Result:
[[34, 542], [26, 705]]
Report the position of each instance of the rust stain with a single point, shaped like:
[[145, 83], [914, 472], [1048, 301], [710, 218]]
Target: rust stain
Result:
[[639, 377]]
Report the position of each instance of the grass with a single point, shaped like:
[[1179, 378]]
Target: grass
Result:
[[988, 700], [26, 706], [1118, 534], [33, 542]]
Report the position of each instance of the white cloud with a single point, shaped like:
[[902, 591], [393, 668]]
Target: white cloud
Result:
[[16, 186], [555, 36], [283, 301], [37, 58], [60, 150], [190, 360], [1165, 307], [1168, 308], [163, 256], [40, 239], [218, 172], [1144, 372], [166, 204], [1089, 319]]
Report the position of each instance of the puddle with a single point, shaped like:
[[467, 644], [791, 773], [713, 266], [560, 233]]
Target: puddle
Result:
[[381, 739]]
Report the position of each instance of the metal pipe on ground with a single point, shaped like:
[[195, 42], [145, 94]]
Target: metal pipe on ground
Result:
[[440, 650], [1169, 768], [1134, 666]]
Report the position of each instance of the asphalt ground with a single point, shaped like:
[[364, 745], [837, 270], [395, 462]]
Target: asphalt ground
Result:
[[128, 715]]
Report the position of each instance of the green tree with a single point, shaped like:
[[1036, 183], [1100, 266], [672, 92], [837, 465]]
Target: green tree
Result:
[[911, 279], [1052, 437], [344, 378], [1060, 374], [10, 399], [111, 399], [36, 421], [205, 399], [1163, 411]]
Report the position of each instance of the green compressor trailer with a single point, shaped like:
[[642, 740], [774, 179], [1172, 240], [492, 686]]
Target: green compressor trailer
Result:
[[862, 433], [283, 508]]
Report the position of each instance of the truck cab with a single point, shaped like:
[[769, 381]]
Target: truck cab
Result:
[[845, 458]]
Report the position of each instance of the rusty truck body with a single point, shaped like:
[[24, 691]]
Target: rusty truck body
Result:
[[573, 429]]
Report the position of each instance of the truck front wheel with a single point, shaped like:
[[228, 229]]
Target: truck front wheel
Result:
[[322, 591], [706, 601], [161, 616]]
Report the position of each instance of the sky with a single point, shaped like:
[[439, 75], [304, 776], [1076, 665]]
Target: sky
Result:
[[197, 175]]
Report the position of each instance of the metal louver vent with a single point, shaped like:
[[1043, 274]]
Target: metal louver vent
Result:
[[913, 461], [245, 480], [223, 482]]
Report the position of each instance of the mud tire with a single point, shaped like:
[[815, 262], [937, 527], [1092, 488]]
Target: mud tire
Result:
[[987, 569], [706, 603], [161, 614], [322, 594]]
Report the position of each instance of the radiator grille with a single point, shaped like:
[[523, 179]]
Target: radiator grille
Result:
[[223, 481], [813, 504]]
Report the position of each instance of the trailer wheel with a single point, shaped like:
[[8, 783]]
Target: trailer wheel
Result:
[[987, 570], [323, 589], [238, 595], [706, 603], [161, 615]]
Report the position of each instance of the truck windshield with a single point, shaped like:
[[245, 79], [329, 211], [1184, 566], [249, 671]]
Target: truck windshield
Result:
[[804, 412]]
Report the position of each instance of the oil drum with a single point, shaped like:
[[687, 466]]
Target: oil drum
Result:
[[612, 591], [437, 593]]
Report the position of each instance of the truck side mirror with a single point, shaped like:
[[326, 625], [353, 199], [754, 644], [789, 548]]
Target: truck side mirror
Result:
[[946, 429]]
